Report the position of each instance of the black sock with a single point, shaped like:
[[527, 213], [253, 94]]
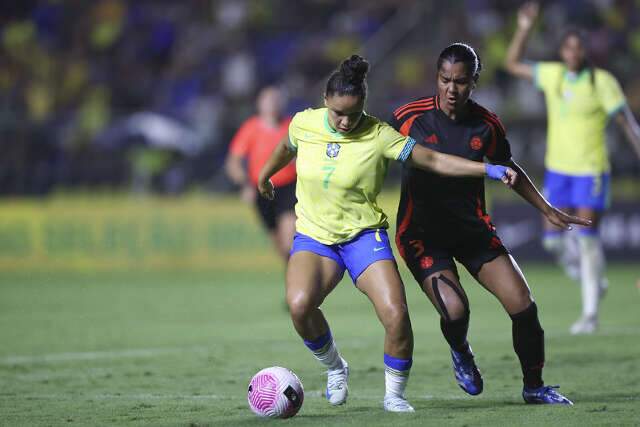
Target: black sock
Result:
[[455, 332], [528, 342]]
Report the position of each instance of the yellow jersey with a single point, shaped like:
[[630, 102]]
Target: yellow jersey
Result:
[[578, 110], [340, 175]]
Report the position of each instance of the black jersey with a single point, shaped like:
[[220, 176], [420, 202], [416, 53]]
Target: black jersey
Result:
[[442, 206]]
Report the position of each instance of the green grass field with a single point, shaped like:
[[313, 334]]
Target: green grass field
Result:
[[178, 348]]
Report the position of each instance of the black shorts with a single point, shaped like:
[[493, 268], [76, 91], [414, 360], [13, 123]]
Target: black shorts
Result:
[[426, 255], [270, 210]]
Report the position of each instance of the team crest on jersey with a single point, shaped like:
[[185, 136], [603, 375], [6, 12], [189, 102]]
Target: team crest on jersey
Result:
[[475, 143], [333, 149], [426, 262]]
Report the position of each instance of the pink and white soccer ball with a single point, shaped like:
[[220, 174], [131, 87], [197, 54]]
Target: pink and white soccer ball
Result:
[[276, 393]]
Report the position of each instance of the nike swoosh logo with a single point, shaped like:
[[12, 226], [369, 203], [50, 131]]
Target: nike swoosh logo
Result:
[[378, 249]]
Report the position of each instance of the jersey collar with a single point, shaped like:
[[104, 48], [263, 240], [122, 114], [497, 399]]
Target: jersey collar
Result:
[[575, 77], [334, 132]]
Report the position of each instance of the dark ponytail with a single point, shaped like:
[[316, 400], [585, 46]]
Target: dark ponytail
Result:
[[462, 52], [350, 78]]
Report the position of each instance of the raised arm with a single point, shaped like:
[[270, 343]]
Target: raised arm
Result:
[[630, 127], [280, 157], [445, 164], [527, 15], [525, 188]]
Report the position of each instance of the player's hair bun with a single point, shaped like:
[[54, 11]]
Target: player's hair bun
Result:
[[354, 69], [349, 78]]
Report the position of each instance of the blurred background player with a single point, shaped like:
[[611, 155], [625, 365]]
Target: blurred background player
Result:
[[580, 100], [249, 150], [342, 156], [442, 218]]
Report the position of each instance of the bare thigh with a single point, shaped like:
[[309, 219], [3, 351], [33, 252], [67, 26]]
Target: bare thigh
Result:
[[504, 279], [310, 278], [594, 216]]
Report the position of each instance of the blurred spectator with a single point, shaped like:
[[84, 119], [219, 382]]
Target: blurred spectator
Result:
[[74, 74]]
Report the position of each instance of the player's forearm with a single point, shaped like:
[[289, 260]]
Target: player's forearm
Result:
[[528, 191], [631, 129], [445, 164], [633, 136], [516, 47], [280, 157], [235, 170]]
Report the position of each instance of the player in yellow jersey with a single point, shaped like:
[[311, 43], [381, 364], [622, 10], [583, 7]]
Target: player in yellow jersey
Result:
[[580, 101], [342, 157]]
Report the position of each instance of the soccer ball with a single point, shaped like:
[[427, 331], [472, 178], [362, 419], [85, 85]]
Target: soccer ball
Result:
[[275, 393]]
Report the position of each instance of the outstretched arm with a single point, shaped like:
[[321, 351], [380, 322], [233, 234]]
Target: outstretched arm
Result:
[[525, 188], [280, 157], [630, 127], [527, 15], [445, 164]]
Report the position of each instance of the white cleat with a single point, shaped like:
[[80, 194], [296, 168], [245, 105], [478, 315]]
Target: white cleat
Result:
[[584, 325], [337, 389], [397, 404]]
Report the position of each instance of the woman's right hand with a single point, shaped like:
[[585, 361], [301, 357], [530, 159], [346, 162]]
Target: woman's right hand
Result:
[[527, 15], [508, 176], [266, 190]]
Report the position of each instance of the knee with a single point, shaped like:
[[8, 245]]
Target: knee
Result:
[[300, 305], [456, 310], [451, 306], [396, 318]]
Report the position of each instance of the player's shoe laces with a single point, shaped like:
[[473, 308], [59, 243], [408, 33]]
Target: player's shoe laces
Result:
[[585, 325], [545, 395], [397, 404], [337, 389], [467, 374]]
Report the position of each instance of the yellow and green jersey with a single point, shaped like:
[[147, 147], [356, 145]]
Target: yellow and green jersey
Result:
[[578, 109], [340, 175]]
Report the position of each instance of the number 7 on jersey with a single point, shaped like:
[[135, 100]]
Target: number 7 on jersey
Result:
[[329, 171]]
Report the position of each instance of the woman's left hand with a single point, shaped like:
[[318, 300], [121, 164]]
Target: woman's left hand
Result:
[[563, 220]]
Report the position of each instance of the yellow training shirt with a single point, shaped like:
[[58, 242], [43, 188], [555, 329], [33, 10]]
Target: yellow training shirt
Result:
[[577, 113], [340, 175]]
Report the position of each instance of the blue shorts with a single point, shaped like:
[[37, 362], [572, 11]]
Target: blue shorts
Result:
[[355, 255], [577, 191]]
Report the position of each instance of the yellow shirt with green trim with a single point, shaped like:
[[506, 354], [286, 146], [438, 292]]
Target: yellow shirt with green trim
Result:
[[341, 175], [578, 109]]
